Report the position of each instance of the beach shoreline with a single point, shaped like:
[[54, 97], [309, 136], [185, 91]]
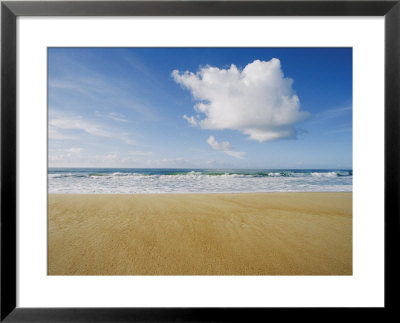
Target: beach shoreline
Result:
[[282, 233]]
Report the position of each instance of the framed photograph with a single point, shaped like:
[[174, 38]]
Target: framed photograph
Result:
[[198, 161]]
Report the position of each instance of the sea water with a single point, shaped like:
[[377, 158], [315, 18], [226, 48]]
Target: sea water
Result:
[[141, 180]]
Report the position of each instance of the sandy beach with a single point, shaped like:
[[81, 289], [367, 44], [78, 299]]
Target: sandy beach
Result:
[[200, 234]]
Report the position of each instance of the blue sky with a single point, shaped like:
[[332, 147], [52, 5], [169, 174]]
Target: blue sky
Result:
[[200, 107]]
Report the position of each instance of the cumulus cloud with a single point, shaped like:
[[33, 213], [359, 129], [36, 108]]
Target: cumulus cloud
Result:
[[257, 100], [225, 147]]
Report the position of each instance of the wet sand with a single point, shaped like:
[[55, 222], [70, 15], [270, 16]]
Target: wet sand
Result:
[[200, 234]]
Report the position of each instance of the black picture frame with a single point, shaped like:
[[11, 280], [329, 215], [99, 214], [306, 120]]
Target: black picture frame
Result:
[[10, 10]]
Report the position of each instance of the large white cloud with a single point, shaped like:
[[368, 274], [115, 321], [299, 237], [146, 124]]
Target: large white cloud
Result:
[[225, 147], [258, 100]]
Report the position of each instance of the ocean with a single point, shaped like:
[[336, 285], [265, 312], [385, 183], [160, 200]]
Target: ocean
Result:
[[167, 180]]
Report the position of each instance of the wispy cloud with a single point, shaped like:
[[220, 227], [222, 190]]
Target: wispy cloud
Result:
[[78, 123], [330, 114], [191, 120], [92, 87], [55, 134], [225, 147], [105, 91], [60, 125], [75, 150], [117, 117], [136, 63]]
